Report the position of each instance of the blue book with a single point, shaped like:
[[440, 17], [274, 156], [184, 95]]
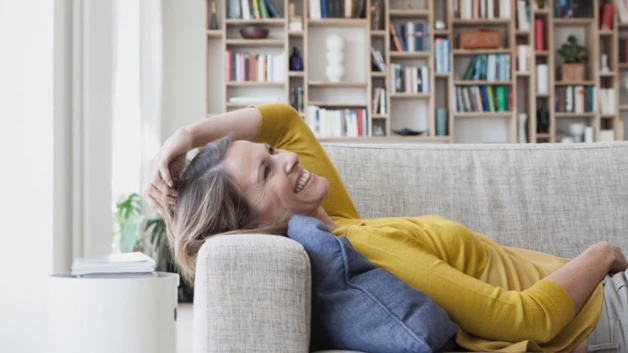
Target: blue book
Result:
[[323, 8], [404, 47], [485, 102], [446, 54], [274, 11]]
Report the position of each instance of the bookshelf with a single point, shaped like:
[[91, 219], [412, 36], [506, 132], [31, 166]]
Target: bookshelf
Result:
[[418, 110]]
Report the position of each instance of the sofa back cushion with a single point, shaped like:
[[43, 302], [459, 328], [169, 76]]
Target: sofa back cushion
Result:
[[358, 306], [555, 198]]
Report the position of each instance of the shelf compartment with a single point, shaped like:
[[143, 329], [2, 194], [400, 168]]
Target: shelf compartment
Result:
[[482, 21], [483, 114], [480, 51], [297, 34], [336, 84], [296, 74], [337, 22], [574, 115], [409, 13], [256, 42], [337, 104], [481, 83], [378, 74], [254, 84], [269, 22], [214, 33], [379, 33], [404, 95], [572, 21], [410, 54], [574, 83]]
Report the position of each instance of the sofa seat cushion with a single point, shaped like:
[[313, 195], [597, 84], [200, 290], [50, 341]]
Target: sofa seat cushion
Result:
[[358, 306]]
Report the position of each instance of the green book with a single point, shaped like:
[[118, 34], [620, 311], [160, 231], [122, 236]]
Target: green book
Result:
[[469, 73], [491, 100], [263, 10], [501, 98]]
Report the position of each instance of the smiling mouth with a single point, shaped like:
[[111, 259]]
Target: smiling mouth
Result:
[[302, 181]]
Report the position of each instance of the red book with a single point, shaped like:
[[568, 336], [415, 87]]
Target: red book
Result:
[[396, 40], [358, 114], [539, 35], [510, 98], [607, 16]]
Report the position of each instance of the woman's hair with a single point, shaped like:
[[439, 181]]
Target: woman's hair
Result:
[[208, 204]]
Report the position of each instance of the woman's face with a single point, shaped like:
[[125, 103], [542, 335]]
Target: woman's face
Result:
[[274, 182]]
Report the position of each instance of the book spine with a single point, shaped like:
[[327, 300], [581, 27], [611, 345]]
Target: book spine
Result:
[[539, 35]]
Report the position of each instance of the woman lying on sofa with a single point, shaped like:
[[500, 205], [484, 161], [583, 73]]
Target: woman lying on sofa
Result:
[[259, 166]]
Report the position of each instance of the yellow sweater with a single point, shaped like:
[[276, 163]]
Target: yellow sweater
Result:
[[496, 294]]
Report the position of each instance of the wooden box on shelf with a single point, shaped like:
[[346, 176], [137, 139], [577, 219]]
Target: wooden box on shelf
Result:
[[571, 72]]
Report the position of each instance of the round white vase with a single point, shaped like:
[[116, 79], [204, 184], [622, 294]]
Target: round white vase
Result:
[[335, 57]]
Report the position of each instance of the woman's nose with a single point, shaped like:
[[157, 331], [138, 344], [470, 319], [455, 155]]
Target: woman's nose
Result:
[[290, 161]]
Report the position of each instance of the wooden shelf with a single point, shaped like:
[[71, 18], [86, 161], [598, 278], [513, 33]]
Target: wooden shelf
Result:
[[541, 52], [267, 22], [405, 13], [574, 115], [574, 83], [296, 74], [378, 74], [572, 21], [606, 32], [523, 74], [481, 83], [522, 33], [404, 95], [337, 104], [542, 95], [254, 84], [441, 75], [607, 116], [297, 34], [256, 42], [244, 105], [623, 25], [337, 22], [214, 33], [336, 84], [542, 12], [389, 139], [482, 22], [608, 74], [623, 107], [483, 115], [480, 51], [622, 66], [379, 116], [379, 33], [409, 54], [441, 32]]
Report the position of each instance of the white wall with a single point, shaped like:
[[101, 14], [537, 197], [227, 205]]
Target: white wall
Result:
[[26, 160], [184, 63]]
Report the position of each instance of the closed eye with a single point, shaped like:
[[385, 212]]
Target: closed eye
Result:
[[266, 172]]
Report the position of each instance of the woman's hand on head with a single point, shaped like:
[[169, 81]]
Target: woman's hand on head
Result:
[[168, 163]]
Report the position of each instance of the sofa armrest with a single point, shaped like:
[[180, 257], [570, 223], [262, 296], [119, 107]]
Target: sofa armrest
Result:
[[252, 293]]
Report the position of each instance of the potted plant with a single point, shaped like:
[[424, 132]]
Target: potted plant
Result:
[[574, 56]]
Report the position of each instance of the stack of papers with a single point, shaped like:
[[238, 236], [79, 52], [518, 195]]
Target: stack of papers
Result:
[[134, 264]]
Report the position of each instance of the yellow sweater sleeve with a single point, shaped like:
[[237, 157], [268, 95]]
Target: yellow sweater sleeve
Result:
[[282, 127], [538, 313]]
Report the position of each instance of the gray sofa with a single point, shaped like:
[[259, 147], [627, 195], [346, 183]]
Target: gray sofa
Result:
[[253, 291]]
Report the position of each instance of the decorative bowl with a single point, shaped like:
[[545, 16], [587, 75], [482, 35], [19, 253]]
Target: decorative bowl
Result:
[[253, 32]]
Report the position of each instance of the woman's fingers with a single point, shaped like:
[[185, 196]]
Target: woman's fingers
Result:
[[165, 173]]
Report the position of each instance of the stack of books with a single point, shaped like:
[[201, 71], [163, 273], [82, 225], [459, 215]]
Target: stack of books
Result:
[[133, 264]]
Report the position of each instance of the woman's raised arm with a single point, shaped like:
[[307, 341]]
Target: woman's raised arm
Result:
[[170, 160]]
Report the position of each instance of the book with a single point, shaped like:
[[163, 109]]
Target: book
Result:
[[273, 10], [539, 35], [263, 10], [134, 262], [246, 10]]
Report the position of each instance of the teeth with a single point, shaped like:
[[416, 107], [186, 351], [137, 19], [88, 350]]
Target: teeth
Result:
[[304, 179]]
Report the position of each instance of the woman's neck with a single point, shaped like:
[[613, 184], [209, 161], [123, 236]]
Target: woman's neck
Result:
[[322, 215]]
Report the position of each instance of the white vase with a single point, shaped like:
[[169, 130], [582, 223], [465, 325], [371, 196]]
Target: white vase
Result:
[[335, 72], [335, 43], [523, 118]]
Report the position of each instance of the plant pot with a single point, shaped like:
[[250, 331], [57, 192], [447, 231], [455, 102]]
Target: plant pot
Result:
[[571, 72]]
